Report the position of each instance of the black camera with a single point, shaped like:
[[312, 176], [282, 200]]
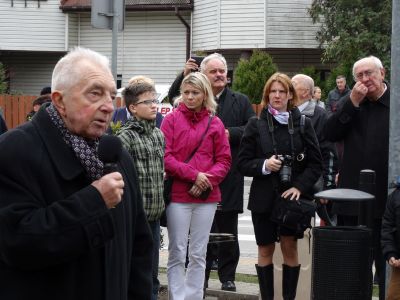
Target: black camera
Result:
[[285, 173]]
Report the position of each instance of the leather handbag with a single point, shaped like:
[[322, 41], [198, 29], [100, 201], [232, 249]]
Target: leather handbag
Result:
[[294, 214]]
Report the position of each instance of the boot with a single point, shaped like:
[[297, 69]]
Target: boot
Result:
[[290, 278], [266, 281]]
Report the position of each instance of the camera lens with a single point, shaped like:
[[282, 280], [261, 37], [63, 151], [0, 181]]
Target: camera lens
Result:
[[285, 173]]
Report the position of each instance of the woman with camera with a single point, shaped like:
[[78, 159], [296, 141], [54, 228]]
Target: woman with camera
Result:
[[280, 151], [197, 157]]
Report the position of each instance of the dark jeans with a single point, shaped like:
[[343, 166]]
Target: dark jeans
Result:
[[155, 230], [380, 263], [227, 253]]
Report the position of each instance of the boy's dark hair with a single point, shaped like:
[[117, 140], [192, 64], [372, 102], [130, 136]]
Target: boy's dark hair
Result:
[[132, 92], [46, 90], [41, 100]]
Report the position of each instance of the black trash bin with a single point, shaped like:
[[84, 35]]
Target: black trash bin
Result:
[[341, 263]]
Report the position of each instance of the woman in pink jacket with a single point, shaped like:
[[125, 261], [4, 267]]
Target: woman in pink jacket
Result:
[[184, 131]]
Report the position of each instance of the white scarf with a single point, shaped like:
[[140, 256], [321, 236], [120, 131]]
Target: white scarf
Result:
[[281, 117]]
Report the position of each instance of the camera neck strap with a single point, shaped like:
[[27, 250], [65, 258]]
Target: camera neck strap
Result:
[[290, 131]]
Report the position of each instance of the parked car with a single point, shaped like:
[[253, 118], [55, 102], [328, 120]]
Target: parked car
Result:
[[164, 106]]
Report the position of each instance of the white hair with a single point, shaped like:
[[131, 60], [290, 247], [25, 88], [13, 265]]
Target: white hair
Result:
[[370, 59], [67, 71], [210, 57], [306, 81]]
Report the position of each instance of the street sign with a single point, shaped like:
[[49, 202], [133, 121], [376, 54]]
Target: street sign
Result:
[[103, 12]]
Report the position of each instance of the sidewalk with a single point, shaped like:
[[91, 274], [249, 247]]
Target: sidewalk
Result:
[[244, 291]]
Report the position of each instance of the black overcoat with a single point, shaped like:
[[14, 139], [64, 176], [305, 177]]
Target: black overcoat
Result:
[[365, 134], [252, 155], [58, 240]]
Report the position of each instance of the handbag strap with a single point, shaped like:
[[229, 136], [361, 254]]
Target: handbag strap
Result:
[[201, 140]]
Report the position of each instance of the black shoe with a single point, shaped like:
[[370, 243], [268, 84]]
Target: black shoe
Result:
[[228, 286]]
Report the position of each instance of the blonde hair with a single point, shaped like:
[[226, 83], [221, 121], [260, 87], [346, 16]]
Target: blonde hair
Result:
[[287, 85], [201, 82], [140, 79]]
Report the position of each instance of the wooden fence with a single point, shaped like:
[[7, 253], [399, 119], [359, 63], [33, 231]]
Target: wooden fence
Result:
[[16, 107]]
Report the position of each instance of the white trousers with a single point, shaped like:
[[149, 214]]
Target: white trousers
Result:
[[183, 218]]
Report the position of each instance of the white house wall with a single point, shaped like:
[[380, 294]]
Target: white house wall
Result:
[[288, 24], [30, 72], [242, 24], [249, 24], [32, 28], [206, 25], [149, 45]]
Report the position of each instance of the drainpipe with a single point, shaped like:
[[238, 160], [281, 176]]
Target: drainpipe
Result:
[[187, 32]]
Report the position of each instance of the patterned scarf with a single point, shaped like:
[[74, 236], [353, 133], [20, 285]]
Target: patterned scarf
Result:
[[281, 117], [85, 151]]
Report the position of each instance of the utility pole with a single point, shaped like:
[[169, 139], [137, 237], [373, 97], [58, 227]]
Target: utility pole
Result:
[[109, 14], [394, 133]]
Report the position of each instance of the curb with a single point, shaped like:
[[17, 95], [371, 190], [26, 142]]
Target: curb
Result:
[[219, 294], [226, 295]]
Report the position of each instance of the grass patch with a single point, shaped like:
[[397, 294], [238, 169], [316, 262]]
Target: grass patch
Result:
[[248, 278]]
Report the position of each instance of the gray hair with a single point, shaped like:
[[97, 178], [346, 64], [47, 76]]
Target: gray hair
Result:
[[370, 59], [210, 57], [67, 71], [201, 82]]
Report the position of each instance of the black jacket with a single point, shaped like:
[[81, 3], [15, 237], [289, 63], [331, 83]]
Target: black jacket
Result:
[[390, 235], [365, 134], [234, 110], [333, 98], [58, 240], [318, 117], [3, 126], [265, 188]]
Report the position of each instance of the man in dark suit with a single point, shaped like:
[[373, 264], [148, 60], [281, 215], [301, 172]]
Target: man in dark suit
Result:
[[304, 86], [234, 109], [362, 122]]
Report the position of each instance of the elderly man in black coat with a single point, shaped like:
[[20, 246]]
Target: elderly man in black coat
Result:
[[304, 86], [68, 231], [234, 109], [362, 122]]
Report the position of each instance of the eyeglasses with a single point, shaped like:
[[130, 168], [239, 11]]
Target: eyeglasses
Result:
[[368, 73], [148, 102]]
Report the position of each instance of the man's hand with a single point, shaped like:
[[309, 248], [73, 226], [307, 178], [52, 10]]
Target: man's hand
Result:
[[273, 164], [190, 66], [111, 188], [394, 262], [358, 93]]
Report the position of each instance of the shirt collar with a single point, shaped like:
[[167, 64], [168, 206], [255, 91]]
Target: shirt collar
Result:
[[301, 107]]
